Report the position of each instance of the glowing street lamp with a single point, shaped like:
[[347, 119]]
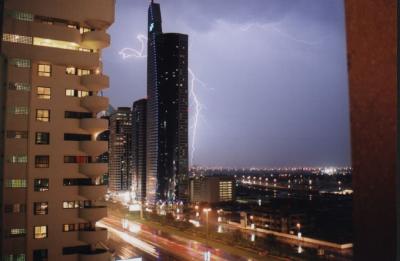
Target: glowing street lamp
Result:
[[298, 225]]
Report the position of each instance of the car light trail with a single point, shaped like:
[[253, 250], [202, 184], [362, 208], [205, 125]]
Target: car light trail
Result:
[[149, 249]]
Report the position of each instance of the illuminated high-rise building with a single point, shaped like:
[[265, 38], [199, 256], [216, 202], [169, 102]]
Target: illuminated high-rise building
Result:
[[120, 150], [49, 105], [212, 189], [139, 148], [167, 112]]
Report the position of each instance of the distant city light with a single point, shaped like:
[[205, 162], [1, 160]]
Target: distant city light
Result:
[[134, 207], [219, 229], [194, 222], [300, 250], [207, 256], [124, 223], [134, 228]]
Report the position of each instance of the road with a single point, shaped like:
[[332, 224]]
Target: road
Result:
[[133, 239]]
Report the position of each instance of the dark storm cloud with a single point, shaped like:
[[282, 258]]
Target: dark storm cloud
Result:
[[275, 71]]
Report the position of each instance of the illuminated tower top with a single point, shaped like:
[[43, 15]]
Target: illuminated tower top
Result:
[[154, 18]]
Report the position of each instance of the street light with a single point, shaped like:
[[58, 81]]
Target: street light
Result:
[[298, 225]]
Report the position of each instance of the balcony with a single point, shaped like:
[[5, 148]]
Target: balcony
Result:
[[93, 147], [95, 104], [95, 40], [94, 125], [93, 170], [43, 30], [95, 82], [93, 214], [95, 255], [52, 55], [93, 192], [92, 237]]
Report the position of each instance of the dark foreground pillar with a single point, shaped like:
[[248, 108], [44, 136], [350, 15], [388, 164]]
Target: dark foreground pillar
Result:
[[372, 52]]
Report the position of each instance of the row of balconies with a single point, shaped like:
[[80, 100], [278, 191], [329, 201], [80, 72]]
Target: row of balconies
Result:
[[95, 104], [97, 39]]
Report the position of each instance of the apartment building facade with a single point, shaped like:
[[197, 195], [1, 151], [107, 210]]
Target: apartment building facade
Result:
[[52, 75]]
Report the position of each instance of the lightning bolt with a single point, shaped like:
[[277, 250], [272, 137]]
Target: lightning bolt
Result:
[[197, 111], [135, 53], [127, 53]]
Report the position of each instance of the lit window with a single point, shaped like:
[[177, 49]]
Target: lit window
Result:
[[38, 41], [40, 232], [69, 92], [68, 204], [42, 138], [14, 38], [42, 161], [72, 26], [43, 92], [68, 227], [18, 159], [83, 30], [20, 63], [43, 115], [70, 70], [19, 86], [83, 72], [76, 93], [40, 208], [55, 43], [44, 70], [41, 185], [83, 93], [15, 183], [76, 204], [86, 50], [17, 232]]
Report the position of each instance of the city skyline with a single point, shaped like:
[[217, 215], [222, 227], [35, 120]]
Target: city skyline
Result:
[[274, 87], [287, 107]]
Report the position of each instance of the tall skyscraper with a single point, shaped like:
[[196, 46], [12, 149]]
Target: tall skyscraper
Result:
[[167, 112], [139, 147], [120, 150], [50, 173]]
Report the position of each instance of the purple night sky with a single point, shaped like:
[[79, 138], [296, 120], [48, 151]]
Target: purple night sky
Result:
[[275, 77]]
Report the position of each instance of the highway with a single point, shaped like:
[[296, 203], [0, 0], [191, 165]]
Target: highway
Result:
[[130, 239]]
